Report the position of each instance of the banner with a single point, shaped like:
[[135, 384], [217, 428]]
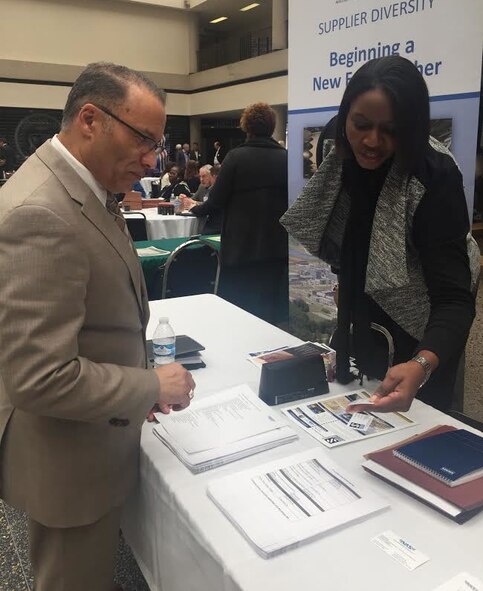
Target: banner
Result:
[[328, 41]]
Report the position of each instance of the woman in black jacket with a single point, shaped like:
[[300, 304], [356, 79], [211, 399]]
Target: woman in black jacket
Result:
[[387, 210], [251, 191]]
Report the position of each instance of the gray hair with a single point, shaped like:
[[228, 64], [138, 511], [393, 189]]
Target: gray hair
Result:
[[107, 84], [206, 168]]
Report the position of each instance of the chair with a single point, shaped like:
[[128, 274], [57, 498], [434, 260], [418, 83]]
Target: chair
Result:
[[136, 224], [192, 268]]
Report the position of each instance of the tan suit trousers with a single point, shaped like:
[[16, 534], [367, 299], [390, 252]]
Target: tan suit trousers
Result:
[[75, 558]]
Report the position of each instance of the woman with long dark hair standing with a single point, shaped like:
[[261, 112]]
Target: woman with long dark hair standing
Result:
[[387, 210]]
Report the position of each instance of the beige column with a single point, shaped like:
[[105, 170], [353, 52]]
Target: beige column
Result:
[[194, 43], [281, 125], [195, 130], [279, 24]]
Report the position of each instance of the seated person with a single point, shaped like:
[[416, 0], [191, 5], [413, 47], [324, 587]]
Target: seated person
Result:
[[205, 183], [191, 176], [165, 177], [177, 185], [214, 219]]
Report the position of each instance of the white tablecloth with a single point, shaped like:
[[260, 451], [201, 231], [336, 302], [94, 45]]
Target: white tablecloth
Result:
[[169, 226], [182, 542]]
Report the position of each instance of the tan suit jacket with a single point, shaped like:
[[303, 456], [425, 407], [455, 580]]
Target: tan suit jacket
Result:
[[74, 390]]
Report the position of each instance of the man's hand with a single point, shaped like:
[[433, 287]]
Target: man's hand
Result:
[[176, 384], [187, 202]]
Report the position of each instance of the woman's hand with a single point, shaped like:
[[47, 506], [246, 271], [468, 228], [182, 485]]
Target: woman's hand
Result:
[[401, 384]]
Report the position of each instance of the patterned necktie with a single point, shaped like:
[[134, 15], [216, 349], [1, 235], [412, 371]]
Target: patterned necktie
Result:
[[113, 208]]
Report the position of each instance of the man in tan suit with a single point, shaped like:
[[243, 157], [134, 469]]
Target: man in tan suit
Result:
[[74, 388]]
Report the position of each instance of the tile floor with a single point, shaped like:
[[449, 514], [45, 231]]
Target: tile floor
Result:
[[15, 571]]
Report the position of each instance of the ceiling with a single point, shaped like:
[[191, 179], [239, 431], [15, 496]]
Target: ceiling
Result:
[[258, 18]]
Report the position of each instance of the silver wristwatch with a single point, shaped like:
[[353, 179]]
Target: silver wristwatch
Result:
[[424, 363]]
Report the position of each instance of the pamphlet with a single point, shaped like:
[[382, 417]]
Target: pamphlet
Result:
[[328, 421], [307, 349]]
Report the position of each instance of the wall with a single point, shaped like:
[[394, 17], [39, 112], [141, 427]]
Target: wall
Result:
[[49, 42]]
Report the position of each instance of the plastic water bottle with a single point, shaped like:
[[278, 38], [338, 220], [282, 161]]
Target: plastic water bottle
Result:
[[177, 205], [164, 343]]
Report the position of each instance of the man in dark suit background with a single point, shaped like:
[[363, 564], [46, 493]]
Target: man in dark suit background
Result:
[[74, 387], [182, 156], [195, 153], [219, 153]]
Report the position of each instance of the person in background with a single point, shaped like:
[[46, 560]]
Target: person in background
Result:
[[205, 183], [7, 158], [219, 155], [195, 153], [251, 194], [214, 216], [177, 185], [191, 176], [178, 157], [165, 178], [387, 210], [182, 156], [75, 388]]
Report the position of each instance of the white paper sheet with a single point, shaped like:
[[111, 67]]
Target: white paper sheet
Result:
[[220, 419], [283, 503]]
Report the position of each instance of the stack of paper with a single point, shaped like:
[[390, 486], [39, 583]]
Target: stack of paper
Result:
[[222, 428], [281, 504]]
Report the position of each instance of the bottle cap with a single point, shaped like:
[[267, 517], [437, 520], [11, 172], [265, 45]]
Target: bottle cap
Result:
[[163, 320]]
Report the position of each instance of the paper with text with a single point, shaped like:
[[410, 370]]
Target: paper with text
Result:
[[283, 503], [328, 421]]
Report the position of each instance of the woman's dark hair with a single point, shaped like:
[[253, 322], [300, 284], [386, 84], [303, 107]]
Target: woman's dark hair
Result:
[[407, 91], [258, 120], [191, 169]]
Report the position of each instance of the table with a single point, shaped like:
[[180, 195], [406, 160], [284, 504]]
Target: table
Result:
[[182, 542], [169, 226], [152, 265]]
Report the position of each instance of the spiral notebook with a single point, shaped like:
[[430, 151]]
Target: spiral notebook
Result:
[[454, 457]]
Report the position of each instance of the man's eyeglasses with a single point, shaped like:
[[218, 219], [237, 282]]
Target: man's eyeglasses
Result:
[[148, 143]]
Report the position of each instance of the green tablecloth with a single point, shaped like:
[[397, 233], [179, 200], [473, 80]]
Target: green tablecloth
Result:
[[152, 265]]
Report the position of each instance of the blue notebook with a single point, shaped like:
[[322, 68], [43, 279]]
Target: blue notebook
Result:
[[455, 457]]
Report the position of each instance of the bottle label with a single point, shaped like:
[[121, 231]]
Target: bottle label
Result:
[[166, 350]]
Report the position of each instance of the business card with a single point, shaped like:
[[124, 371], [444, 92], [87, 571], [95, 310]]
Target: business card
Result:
[[462, 582], [360, 421], [400, 549]]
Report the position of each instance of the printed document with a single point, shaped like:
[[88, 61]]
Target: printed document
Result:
[[328, 421], [283, 503], [221, 428]]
